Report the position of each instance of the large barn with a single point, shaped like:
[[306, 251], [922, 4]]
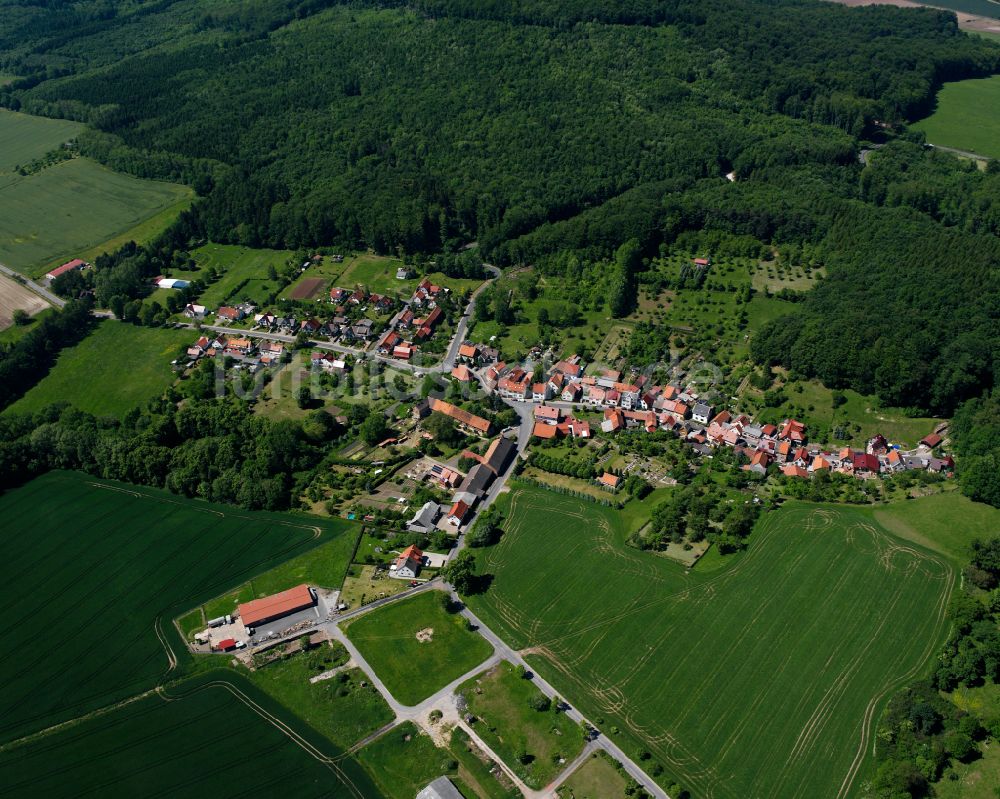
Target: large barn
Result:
[[276, 606]]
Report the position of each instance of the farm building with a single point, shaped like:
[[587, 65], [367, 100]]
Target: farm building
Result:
[[226, 644], [269, 608], [425, 518], [172, 283], [69, 266], [441, 788]]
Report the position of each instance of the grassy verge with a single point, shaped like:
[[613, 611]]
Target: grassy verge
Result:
[[532, 736], [404, 760], [483, 774], [344, 708]]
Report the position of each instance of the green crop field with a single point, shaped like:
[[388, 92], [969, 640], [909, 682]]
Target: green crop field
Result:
[[115, 368], [764, 677], [215, 735], [24, 137], [244, 273], [73, 208], [93, 574], [411, 669], [967, 116]]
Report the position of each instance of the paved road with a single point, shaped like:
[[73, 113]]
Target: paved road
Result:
[[501, 651], [445, 366], [40, 290], [608, 745], [463, 325], [966, 153]]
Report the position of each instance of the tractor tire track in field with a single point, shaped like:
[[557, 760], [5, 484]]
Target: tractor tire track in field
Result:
[[572, 645], [332, 763]]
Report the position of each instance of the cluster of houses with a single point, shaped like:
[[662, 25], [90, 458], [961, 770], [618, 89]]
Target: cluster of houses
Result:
[[414, 323], [339, 327], [249, 354], [640, 404], [471, 489]]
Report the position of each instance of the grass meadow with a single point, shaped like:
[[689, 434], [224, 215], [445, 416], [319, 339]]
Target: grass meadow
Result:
[[509, 725], [764, 677], [345, 708], [412, 670], [244, 273], [94, 572], [76, 208], [215, 735], [946, 523], [115, 368], [967, 116], [404, 760], [597, 778], [24, 138]]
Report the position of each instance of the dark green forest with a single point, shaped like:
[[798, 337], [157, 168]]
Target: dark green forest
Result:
[[540, 128]]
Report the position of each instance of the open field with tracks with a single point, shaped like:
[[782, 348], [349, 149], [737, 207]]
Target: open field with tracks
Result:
[[93, 572], [72, 208], [215, 735], [115, 368], [14, 296], [762, 678]]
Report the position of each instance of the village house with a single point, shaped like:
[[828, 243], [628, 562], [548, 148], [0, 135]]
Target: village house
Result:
[[389, 341], [328, 362], [458, 513], [425, 518], [702, 412], [407, 565], [425, 327], [609, 481], [69, 266], [466, 420], [468, 353], [193, 311], [227, 313], [571, 393], [271, 352]]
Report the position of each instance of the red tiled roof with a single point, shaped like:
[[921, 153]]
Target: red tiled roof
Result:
[[543, 430], [69, 266], [477, 423], [271, 607]]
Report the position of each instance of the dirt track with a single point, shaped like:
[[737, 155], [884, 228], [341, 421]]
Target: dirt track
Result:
[[13, 296]]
